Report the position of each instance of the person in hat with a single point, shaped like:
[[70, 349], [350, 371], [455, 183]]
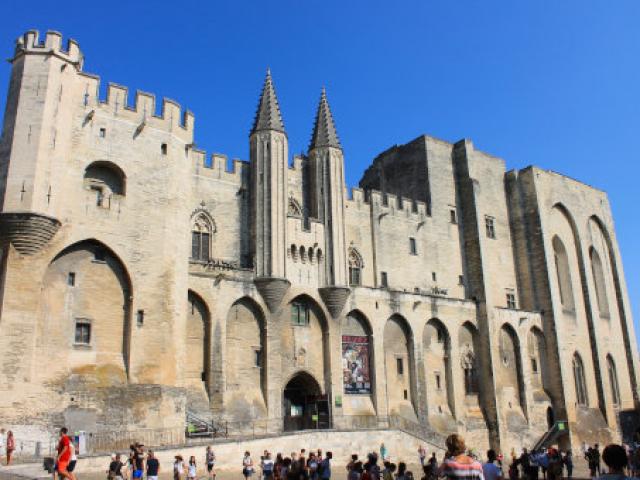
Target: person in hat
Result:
[[179, 468]]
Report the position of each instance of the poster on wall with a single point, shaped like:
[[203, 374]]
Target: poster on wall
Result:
[[355, 364]]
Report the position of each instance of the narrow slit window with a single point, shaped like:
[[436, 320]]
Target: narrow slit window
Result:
[[400, 366]]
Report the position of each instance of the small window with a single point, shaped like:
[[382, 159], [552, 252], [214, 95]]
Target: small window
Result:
[[453, 215], [82, 332], [434, 277], [416, 290], [460, 279], [511, 301], [412, 246], [383, 279], [490, 226], [140, 317], [406, 395], [71, 279], [98, 190], [258, 357], [534, 365], [163, 149], [103, 132], [300, 314], [438, 384], [400, 366]]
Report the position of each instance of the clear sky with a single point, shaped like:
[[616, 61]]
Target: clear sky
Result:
[[545, 82]]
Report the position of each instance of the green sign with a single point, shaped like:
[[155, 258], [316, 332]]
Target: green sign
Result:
[[561, 426], [338, 400], [314, 418]]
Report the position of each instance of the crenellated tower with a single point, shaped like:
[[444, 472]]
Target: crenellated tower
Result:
[[269, 151], [326, 163], [35, 134]]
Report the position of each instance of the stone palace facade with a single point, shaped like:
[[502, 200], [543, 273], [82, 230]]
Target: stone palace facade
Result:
[[142, 281]]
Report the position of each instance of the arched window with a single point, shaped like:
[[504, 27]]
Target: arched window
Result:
[[303, 254], [355, 268], [613, 380], [105, 179], [598, 281], [201, 236], [580, 383], [468, 360], [564, 274]]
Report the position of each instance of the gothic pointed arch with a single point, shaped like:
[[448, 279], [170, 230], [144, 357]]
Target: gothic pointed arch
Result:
[[86, 304], [437, 362], [307, 338], [399, 363], [357, 354], [580, 383], [356, 264], [197, 363], [245, 360], [203, 228], [598, 275], [468, 348], [511, 366]]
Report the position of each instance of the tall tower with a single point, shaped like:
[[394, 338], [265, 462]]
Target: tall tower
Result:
[[269, 151], [326, 162], [36, 133]]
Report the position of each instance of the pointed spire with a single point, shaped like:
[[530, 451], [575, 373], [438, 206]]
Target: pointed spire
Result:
[[268, 116], [324, 130]]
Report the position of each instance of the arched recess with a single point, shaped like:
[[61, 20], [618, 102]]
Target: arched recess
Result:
[[580, 383], [305, 344], [613, 380], [599, 283], [437, 359], [245, 362], [357, 364], [537, 350], [621, 310], [197, 366], [563, 274], [587, 305], [203, 228], [87, 294], [468, 348], [511, 369], [399, 367], [105, 179], [355, 267]]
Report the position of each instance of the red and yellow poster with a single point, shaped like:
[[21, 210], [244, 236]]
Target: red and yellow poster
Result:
[[355, 364]]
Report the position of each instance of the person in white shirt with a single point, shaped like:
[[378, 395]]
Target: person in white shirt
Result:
[[490, 470]]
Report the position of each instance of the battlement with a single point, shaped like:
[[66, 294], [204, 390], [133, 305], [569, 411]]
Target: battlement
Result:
[[218, 169], [31, 42], [389, 203]]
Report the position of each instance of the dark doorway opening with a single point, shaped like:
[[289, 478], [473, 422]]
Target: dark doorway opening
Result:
[[551, 418], [305, 407]]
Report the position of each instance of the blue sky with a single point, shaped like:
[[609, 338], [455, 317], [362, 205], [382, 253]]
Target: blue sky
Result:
[[544, 82]]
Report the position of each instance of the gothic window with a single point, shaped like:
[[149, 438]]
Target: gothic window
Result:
[[613, 380], [413, 249], [579, 379], [201, 236], [598, 280], [355, 268], [468, 362], [384, 281], [294, 209], [563, 273], [303, 254]]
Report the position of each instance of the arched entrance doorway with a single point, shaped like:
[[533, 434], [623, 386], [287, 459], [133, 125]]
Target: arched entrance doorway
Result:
[[304, 405]]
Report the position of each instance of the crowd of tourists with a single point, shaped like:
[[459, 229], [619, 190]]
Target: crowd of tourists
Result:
[[458, 463]]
